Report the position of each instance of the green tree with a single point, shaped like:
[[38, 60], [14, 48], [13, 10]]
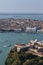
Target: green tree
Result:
[[9, 61], [17, 62], [40, 62], [30, 62]]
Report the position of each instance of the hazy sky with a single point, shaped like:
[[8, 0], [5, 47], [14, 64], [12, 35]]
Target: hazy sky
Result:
[[21, 6]]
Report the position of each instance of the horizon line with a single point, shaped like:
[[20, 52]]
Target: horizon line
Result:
[[21, 13]]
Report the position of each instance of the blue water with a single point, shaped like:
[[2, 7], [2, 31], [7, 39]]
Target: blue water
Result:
[[14, 38], [24, 16], [11, 38]]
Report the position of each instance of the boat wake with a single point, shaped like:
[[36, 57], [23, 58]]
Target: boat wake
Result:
[[7, 45]]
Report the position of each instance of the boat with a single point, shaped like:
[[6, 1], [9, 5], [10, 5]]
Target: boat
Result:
[[4, 41], [7, 45]]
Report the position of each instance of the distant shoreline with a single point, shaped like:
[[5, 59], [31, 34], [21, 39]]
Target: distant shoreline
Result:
[[21, 25]]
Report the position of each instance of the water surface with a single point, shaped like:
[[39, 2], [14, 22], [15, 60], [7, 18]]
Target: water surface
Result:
[[13, 38]]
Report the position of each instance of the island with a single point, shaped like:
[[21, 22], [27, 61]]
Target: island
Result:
[[21, 25], [26, 54]]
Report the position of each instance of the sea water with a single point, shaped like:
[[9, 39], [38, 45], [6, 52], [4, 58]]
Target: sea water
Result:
[[22, 16]]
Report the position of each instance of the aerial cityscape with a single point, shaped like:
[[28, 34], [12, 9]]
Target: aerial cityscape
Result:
[[21, 32], [21, 25]]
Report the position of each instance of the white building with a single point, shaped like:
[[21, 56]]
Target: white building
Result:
[[29, 29], [40, 31], [22, 47], [18, 30]]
